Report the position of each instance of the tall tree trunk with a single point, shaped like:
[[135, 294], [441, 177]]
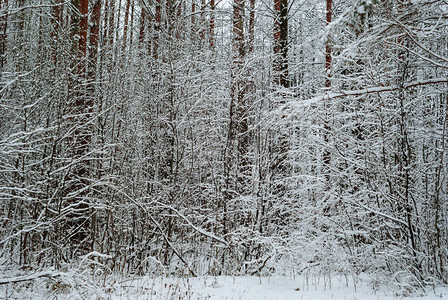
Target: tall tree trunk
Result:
[[239, 91], [202, 22], [126, 25], [178, 15], [80, 110], [142, 31], [83, 28], [3, 34], [56, 21], [93, 87], [193, 20], [281, 43], [404, 142], [111, 22], [326, 155], [131, 34], [250, 47], [212, 23], [157, 29], [94, 37]]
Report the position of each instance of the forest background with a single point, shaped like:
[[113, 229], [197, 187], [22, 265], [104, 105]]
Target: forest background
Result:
[[217, 137]]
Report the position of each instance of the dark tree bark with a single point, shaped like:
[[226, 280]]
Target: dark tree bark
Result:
[[79, 141], [3, 33], [178, 16], [126, 25], [202, 22], [281, 43], [250, 47], [212, 23], [56, 21], [193, 20], [157, 28], [326, 155], [111, 21], [94, 37], [328, 48], [83, 28], [142, 31], [238, 32], [239, 90]]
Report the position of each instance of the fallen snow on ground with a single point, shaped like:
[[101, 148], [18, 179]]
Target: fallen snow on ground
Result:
[[207, 287], [270, 288]]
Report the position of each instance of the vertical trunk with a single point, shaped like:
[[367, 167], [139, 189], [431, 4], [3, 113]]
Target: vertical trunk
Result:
[[212, 23], [281, 80], [281, 43], [3, 34], [250, 47], [238, 33], [158, 23], [239, 85], [106, 18], [126, 24], [179, 14], [328, 48], [94, 37], [21, 18], [170, 16], [326, 154], [56, 21], [202, 22], [19, 37], [141, 36], [92, 86], [111, 21], [193, 19], [234, 126], [83, 28], [131, 34], [405, 151], [79, 141]]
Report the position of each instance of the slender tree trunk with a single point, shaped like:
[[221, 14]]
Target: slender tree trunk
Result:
[[193, 20], [56, 21], [93, 88], [239, 91], [3, 32], [94, 37], [83, 28], [111, 22], [238, 32], [281, 43], [131, 30], [326, 155], [212, 23], [328, 48], [405, 151], [157, 29], [178, 17], [250, 47], [202, 22], [126, 25], [142, 32], [80, 110], [20, 19]]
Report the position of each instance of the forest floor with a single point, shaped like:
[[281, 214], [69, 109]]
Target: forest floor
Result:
[[78, 286]]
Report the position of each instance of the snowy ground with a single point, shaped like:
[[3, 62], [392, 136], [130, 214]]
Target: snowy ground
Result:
[[246, 288], [270, 288]]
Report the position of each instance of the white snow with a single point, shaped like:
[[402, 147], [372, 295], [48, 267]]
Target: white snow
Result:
[[211, 287], [361, 9], [284, 288]]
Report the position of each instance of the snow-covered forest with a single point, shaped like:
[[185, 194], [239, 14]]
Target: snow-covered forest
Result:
[[225, 137]]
